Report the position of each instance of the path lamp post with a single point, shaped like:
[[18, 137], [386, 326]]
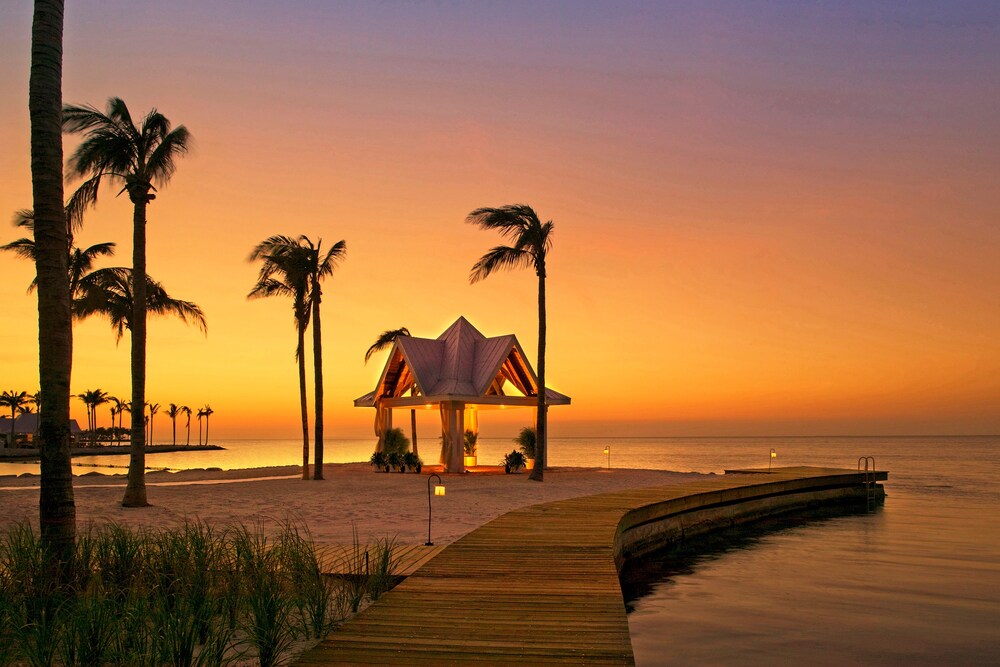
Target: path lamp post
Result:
[[438, 491], [773, 456], [607, 452]]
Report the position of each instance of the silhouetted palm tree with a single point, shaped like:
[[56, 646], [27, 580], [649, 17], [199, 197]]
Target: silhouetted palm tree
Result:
[[108, 293], [57, 510], [285, 272], [13, 400], [172, 411], [207, 411], [116, 409], [153, 409], [530, 241], [321, 265], [386, 339], [93, 398], [139, 158], [201, 415], [79, 262], [187, 412]]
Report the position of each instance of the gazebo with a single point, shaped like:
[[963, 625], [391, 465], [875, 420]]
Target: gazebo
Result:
[[461, 371]]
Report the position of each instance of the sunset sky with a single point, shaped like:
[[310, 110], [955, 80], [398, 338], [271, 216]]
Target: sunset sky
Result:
[[771, 218]]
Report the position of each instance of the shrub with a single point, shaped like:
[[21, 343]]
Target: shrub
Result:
[[525, 441], [471, 437], [395, 441]]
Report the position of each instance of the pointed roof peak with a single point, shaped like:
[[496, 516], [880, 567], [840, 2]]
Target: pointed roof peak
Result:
[[461, 327]]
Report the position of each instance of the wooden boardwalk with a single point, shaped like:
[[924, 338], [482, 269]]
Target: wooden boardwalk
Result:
[[539, 585], [346, 559]]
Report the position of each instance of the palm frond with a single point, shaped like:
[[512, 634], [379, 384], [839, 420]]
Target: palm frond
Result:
[[22, 247], [24, 217], [500, 258], [161, 165], [384, 340], [83, 198], [510, 221]]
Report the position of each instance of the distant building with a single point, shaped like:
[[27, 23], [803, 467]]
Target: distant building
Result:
[[26, 430]]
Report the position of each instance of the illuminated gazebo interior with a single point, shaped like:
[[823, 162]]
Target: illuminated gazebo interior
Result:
[[459, 372]]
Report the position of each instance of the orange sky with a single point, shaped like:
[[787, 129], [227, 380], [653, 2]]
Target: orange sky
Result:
[[781, 223]]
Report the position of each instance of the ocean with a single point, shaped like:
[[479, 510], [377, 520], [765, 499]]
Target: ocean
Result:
[[915, 582]]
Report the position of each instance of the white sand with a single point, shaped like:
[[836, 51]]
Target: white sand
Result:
[[379, 504]]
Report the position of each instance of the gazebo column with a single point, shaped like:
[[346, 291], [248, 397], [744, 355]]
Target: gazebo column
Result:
[[453, 432]]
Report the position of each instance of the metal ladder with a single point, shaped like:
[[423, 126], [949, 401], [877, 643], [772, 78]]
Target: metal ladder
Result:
[[868, 472]]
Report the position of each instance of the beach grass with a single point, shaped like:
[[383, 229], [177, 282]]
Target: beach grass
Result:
[[195, 595]]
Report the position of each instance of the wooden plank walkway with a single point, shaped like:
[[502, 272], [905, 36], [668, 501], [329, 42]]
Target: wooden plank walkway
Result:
[[345, 559], [538, 585]]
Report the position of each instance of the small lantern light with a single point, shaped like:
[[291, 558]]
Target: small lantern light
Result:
[[438, 491], [774, 455], [607, 452]]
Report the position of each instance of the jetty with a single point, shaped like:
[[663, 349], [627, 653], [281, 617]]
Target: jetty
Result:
[[539, 585]]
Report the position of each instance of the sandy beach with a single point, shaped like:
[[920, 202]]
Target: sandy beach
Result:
[[352, 495]]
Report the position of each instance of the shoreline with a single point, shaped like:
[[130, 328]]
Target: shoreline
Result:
[[352, 497], [26, 455]]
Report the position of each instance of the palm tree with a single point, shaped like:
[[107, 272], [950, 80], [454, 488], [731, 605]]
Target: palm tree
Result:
[[187, 412], [320, 266], [385, 339], [139, 158], [56, 507], [125, 407], [13, 400], [79, 262], [108, 293], [530, 241], [153, 409], [207, 411], [172, 411], [93, 398], [201, 415], [116, 408], [285, 272]]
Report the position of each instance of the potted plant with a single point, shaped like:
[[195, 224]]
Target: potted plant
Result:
[[395, 460], [412, 462], [513, 462], [525, 440], [379, 462], [470, 448]]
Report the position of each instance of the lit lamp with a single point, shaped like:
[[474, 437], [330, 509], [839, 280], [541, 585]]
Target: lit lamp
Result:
[[607, 452], [438, 491], [774, 455]]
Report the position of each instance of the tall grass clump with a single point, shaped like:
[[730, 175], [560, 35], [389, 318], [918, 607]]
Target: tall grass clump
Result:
[[192, 596]]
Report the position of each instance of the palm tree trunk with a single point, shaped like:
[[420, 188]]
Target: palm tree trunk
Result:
[[188, 442], [541, 418], [318, 381], [174, 420], [206, 429], [135, 491], [57, 510], [301, 355], [413, 430]]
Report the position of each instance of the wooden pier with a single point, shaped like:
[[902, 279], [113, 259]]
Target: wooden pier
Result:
[[539, 585]]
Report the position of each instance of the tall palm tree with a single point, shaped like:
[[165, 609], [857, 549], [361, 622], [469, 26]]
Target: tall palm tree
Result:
[[207, 411], [321, 265], [138, 158], [153, 409], [92, 398], [386, 339], [187, 412], [56, 507], [108, 293], [125, 407], [13, 400], [530, 241], [172, 411], [80, 262], [285, 272]]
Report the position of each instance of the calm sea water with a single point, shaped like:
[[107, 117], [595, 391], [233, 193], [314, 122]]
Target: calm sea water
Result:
[[915, 582]]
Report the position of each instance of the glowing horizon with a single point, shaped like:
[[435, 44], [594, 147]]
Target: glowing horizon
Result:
[[774, 221]]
